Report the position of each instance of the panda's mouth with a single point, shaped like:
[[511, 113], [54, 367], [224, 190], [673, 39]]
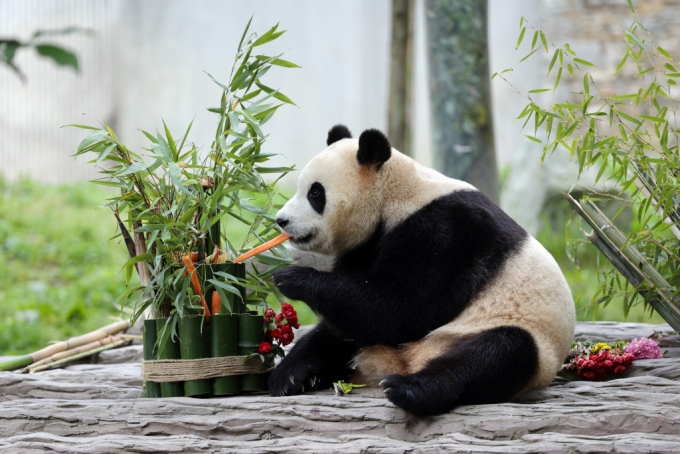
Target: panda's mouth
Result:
[[302, 239]]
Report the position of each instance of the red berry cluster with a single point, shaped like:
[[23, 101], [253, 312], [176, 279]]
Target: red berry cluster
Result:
[[277, 331], [596, 366]]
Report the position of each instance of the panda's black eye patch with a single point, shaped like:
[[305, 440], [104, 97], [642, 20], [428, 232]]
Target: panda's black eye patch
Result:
[[317, 197]]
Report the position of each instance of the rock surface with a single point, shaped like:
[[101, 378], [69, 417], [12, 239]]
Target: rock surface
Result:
[[95, 408]]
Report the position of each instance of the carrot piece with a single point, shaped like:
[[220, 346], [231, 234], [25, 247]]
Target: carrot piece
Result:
[[263, 247], [191, 269], [216, 302]]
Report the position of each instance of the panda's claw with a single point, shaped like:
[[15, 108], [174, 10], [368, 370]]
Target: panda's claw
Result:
[[381, 382], [387, 390], [291, 379]]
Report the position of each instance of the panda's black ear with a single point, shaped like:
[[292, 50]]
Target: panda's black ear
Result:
[[374, 148], [338, 132]]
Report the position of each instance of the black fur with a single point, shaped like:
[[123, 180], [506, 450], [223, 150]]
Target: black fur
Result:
[[316, 196], [401, 285], [338, 132], [486, 368], [374, 148], [318, 359]]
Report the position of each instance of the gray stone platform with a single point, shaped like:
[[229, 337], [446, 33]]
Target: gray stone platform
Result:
[[96, 408]]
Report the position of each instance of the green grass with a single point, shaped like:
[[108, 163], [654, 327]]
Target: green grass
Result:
[[60, 276]]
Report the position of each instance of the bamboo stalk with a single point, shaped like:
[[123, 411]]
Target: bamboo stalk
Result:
[[632, 276], [94, 351], [636, 268], [140, 248], [22, 361], [73, 351]]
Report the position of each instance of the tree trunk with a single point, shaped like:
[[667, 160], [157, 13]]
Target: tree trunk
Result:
[[462, 129], [399, 109]]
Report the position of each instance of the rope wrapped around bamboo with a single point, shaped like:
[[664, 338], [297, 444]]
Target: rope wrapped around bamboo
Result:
[[169, 370]]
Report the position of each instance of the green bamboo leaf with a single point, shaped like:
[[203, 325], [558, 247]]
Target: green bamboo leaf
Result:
[[284, 63], [544, 41], [184, 138], [275, 93], [264, 39], [630, 4], [224, 87], [628, 96], [91, 139], [583, 62], [533, 41], [622, 131], [244, 32], [107, 151], [250, 95], [670, 68], [664, 53], [628, 117], [133, 168], [557, 80], [586, 85], [224, 286], [274, 169], [636, 40], [566, 46], [521, 37], [137, 259], [93, 128], [653, 118], [570, 69], [539, 90], [552, 62], [529, 55], [171, 141], [532, 138]]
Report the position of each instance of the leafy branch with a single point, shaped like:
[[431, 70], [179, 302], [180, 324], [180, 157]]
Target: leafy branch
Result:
[[631, 139], [170, 201]]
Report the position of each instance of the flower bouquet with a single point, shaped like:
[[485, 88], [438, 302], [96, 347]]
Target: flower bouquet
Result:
[[594, 361]]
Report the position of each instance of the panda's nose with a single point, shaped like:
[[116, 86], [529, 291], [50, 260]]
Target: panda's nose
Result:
[[282, 222]]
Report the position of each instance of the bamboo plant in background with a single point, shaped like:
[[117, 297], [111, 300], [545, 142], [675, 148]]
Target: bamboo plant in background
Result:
[[632, 139], [171, 206]]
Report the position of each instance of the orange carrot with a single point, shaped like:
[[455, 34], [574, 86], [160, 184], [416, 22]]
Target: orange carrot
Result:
[[216, 302], [263, 247], [191, 269]]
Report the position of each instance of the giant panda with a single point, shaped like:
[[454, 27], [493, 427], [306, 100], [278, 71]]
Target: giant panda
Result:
[[435, 293]]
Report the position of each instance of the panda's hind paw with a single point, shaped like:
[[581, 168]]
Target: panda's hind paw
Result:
[[414, 395]]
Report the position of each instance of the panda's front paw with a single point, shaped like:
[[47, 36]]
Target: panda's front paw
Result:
[[289, 380], [294, 281]]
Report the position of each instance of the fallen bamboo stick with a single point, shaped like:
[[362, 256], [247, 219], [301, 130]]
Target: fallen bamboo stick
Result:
[[94, 351], [26, 360], [71, 352]]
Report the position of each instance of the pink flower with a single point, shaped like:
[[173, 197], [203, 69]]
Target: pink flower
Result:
[[644, 348]]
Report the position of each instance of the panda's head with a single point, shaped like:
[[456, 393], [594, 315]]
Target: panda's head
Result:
[[337, 205]]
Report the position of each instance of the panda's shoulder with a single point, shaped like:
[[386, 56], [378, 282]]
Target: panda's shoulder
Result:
[[470, 208]]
